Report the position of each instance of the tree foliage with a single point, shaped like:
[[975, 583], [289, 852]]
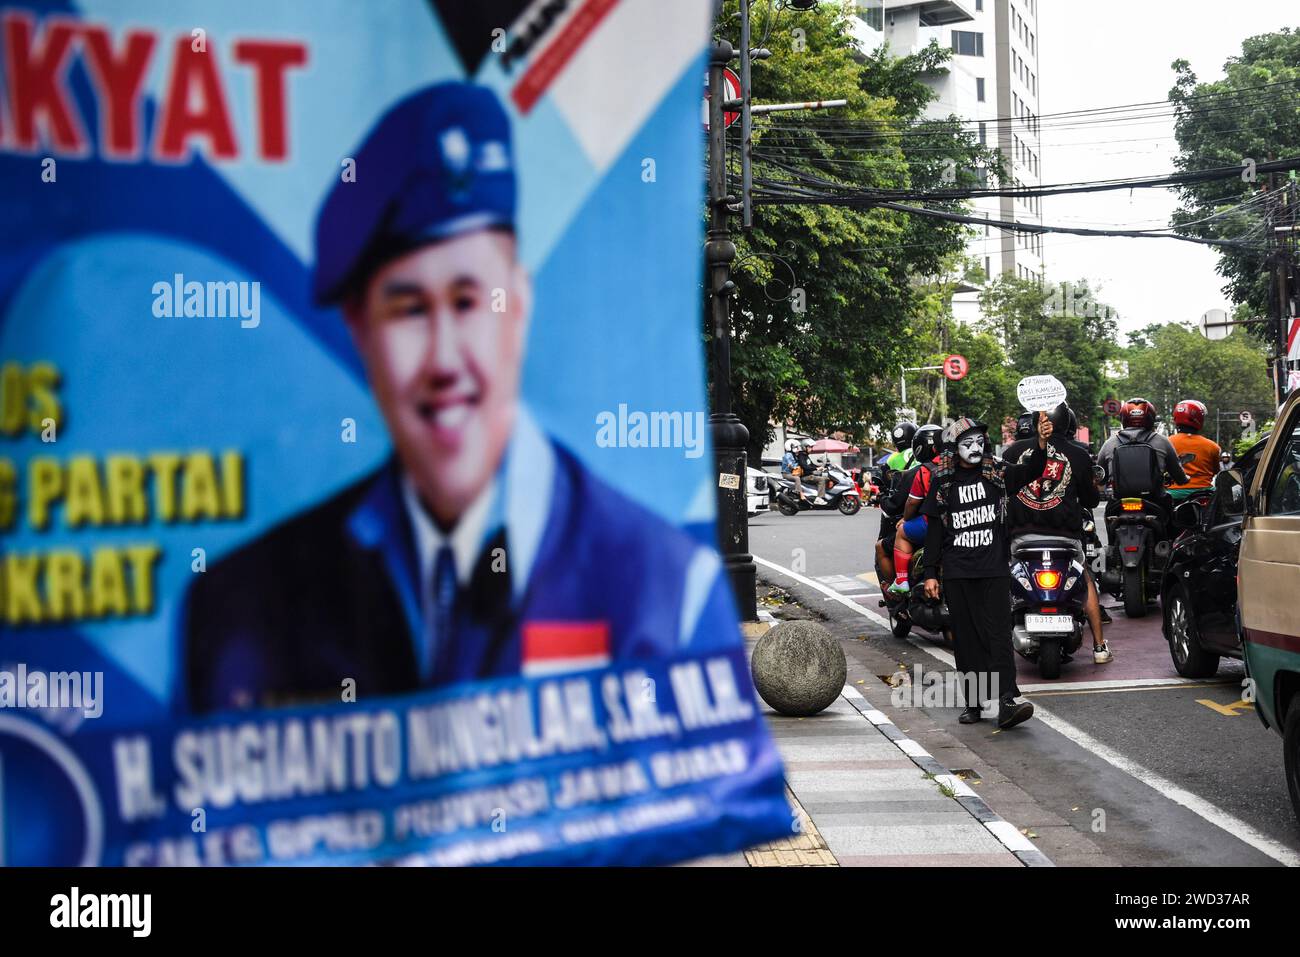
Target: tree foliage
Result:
[[834, 366], [1249, 116], [1230, 376], [1071, 343]]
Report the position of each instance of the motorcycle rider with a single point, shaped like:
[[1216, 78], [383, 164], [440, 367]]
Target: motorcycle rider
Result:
[[790, 466], [912, 488], [1058, 502], [890, 478], [967, 538], [1025, 426], [902, 460], [1138, 420], [811, 476], [1198, 455]]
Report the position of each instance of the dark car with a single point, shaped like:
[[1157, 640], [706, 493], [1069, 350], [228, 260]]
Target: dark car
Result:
[[1199, 591]]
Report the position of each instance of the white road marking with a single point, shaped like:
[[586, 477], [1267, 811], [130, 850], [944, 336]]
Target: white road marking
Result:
[[1199, 806], [1120, 684], [828, 592]]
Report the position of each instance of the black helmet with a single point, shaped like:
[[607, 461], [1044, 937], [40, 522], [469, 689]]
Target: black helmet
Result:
[[925, 444], [1064, 423], [903, 434], [1025, 425]]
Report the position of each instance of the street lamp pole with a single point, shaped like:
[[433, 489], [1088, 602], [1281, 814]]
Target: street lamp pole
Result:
[[730, 437]]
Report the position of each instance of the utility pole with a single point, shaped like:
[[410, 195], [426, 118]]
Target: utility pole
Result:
[[730, 437]]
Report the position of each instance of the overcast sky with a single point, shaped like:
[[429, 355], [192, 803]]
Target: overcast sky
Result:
[[1098, 53]]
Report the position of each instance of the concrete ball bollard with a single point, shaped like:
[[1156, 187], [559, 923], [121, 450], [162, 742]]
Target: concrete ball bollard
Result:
[[798, 668]]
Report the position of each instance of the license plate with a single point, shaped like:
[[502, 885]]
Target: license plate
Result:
[[1049, 623]]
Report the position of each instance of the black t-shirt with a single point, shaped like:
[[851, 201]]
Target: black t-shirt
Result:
[[1054, 502], [970, 540]]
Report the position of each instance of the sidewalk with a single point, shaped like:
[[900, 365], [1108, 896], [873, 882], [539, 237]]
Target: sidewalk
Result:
[[869, 796]]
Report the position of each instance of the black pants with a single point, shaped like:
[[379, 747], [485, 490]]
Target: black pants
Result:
[[979, 610]]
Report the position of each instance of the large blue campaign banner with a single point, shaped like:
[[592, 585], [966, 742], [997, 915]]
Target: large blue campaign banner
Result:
[[354, 483]]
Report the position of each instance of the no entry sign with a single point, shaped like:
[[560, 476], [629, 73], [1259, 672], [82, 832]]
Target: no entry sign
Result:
[[731, 86]]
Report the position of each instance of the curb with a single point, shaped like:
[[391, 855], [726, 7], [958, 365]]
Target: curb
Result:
[[1004, 831]]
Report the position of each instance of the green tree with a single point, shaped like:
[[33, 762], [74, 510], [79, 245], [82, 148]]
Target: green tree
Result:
[[1249, 116], [1229, 376], [855, 274], [1062, 331]]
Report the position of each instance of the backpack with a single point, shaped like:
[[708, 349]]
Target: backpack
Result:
[[1135, 470]]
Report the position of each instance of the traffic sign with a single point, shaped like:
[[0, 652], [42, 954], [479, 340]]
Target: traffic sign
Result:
[[1245, 418], [955, 367], [1111, 406], [731, 86], [1214, 324]]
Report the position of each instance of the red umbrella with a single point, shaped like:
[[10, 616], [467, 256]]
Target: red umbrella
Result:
[[830, 445]]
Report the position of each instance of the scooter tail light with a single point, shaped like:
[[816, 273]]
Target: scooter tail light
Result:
[[1131, 505], [1047, 578]]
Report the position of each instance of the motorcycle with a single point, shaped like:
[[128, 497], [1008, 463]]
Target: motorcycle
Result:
[[1048, 594], [914, 610], [1138, 549], [842, 494]]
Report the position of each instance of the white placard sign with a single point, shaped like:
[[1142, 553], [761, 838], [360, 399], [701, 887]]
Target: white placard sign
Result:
[[1040, 393]]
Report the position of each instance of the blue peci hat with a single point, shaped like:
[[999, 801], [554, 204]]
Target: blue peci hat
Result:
[[436, 165]]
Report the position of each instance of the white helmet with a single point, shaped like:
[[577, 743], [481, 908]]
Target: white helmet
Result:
[[792, 445], [807, 443]]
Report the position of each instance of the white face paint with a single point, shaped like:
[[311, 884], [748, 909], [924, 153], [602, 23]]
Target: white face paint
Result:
[[971, 448]]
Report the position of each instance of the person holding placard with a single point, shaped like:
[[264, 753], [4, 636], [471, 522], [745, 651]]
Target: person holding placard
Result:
[[1058, 502], [967, 539]]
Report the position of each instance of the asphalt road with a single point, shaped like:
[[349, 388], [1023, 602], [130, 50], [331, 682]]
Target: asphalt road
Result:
[[1154, 769]]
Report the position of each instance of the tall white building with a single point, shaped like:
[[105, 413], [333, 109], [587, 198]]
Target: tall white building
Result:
[[991, 82]]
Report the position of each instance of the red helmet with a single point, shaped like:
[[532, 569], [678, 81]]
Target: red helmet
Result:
[[1191, 414], [1138, 414]]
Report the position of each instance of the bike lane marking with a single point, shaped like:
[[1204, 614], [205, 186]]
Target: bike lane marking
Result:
[[1202, 808]]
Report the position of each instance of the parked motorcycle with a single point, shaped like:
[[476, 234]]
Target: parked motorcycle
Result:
[[913, 610], [1048, 593], [842, 494]]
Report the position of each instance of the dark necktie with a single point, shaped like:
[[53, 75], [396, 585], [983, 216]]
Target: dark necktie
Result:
[[444, 604]]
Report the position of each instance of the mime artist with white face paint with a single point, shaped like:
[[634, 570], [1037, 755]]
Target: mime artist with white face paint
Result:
[[967, 540]]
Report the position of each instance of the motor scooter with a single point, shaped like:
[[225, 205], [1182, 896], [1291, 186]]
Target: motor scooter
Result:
[[1048, 594], [842, 494], [914, 610]]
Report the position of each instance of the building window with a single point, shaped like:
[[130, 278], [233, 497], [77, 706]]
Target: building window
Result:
[[979, 6], [988, 266], [979, 88], [984, 134], [967, 43]]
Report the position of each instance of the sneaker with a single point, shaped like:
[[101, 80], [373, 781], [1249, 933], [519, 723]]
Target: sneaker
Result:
[[819, 500], [1105, 616], [1101, 654], [1013, 711], [900, 588], [970, 715]]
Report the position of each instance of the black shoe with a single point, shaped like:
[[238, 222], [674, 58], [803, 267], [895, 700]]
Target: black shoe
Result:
[[1105, 617], [1013, 711], [969, 715]]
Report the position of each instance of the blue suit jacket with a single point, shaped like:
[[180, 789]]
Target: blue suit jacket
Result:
[[332, 594]]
